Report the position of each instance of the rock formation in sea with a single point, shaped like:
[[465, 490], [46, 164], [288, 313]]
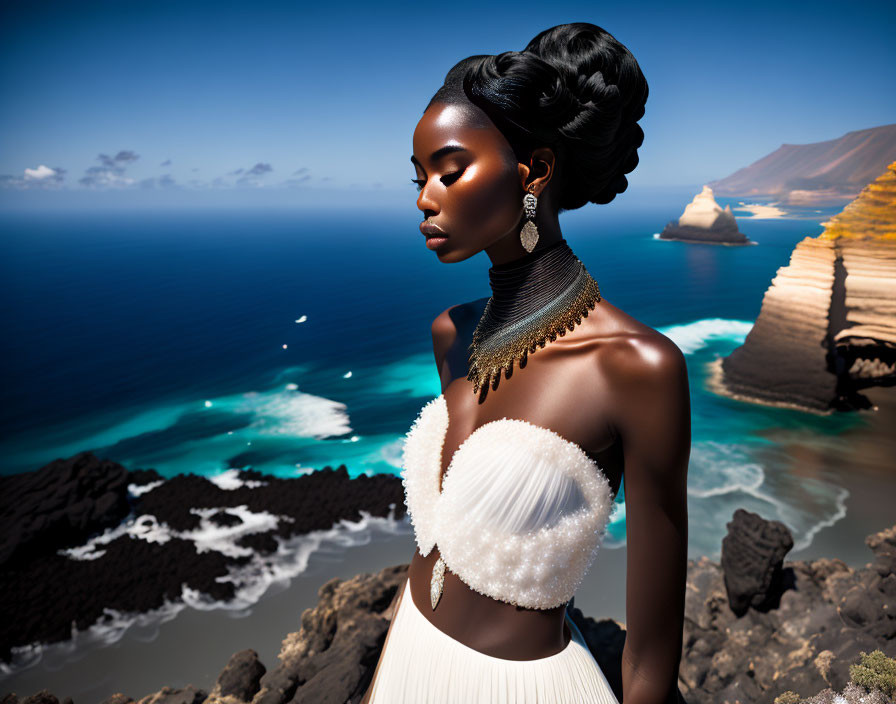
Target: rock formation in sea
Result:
[[827, 326], [829, 173], [706, 221]]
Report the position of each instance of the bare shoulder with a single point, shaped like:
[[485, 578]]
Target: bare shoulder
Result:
[[446, 324], [649, 408], [636, 355], [449, 319], [444, 328]]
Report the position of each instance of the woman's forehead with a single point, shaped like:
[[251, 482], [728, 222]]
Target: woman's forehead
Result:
[[444, 121], [451, 124]]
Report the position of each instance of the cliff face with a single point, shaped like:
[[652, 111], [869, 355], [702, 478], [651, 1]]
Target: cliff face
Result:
[[829, 172], [827, 327], [704, 220], [865, 237]]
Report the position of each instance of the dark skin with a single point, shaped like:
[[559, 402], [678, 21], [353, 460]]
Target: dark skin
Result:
[[614, 386]]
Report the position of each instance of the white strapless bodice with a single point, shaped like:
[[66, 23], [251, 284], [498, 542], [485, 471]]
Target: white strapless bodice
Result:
[[522, 510]]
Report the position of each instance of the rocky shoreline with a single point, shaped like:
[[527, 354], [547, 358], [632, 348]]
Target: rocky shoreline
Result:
[[799, 633], [756, 626], [83, 535]]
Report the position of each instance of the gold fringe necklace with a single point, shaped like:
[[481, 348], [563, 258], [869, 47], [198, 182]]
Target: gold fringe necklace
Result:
[[534, 299]]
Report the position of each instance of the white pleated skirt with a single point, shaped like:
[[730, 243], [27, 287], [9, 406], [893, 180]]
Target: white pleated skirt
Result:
[[421, 663]]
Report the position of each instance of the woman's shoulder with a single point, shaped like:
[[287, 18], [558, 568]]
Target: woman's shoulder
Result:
[[447, 323], [625, 348], [631, 349], [457, 321]]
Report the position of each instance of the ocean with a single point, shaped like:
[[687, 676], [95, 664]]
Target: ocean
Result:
[[287, 340], [172, 341]]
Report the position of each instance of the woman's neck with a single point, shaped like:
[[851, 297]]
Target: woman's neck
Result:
[[534, 299], [526, 285]]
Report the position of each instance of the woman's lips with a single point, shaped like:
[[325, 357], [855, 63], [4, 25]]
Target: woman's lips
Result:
[[430, 229]]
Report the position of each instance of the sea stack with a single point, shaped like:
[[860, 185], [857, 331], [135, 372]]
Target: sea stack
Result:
[[704, 220], [827, 326]]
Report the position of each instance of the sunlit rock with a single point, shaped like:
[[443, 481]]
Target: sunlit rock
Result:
[[827, 327], [704, 220]]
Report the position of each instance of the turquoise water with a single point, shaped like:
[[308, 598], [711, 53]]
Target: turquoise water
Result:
[[172, 341]]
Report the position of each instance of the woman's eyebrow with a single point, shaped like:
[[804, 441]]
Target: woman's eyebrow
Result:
[[439, 153]]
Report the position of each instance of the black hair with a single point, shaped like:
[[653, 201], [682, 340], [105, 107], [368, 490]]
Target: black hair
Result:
[[574, 88]]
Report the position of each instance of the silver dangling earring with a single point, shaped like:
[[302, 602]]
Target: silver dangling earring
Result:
[[529, 233]]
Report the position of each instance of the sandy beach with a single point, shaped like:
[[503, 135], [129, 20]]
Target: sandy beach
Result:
[[862, 460], [761, 211]]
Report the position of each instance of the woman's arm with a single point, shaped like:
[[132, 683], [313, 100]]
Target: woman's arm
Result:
[[653, 419]]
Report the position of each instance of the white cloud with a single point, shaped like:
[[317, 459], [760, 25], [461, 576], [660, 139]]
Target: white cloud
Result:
[[40, 172]]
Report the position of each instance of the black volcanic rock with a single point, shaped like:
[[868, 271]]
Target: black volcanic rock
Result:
[[752, 556], [169, 695], [41, 697], [63, 504], [331, 659], [142, 477], [45, 597], [313, 501], [59, 506], [225, 519], [241, 677], [806, 623], [827, 614]]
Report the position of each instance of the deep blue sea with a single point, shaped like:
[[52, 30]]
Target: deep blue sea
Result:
[[286, 340]]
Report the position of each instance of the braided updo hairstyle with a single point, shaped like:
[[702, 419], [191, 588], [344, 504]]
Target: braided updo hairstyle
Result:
[[575, 89]]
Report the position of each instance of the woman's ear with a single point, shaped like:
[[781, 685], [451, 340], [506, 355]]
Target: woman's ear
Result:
[[537, 174]]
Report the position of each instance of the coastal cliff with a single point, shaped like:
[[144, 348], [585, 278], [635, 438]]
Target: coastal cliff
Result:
[[705, 221], [827, 326]]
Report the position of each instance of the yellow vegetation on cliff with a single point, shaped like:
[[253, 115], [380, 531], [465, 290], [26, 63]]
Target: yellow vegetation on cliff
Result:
[[871, 215]]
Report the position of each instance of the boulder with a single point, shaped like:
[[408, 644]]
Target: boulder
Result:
[[752, 556]]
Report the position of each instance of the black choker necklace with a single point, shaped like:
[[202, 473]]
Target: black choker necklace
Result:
[[534, 299]]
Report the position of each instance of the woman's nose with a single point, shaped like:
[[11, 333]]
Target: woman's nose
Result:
[[425, 201]]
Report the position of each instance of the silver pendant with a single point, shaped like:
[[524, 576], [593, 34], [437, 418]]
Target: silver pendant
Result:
[[529, 236], [437, 582]]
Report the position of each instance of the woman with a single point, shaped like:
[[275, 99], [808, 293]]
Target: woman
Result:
[[510, 497]]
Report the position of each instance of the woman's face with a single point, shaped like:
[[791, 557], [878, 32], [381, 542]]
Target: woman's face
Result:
[[470, 183]]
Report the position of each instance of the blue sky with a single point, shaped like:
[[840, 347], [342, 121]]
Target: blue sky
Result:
[[240, 98]]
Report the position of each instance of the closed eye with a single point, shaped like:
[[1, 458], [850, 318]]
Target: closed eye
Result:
[[447, 179]]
